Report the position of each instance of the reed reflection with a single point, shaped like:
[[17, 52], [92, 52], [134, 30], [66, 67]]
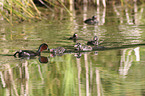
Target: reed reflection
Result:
[[127, 59], [89, 75], [131, 18], [11, 81]]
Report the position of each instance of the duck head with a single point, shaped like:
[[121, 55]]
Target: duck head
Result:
[[94, 17], [75, 35], [96, 38], [42, 47]]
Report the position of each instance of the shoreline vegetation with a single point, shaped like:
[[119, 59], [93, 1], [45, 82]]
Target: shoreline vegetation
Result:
[[27, 10]]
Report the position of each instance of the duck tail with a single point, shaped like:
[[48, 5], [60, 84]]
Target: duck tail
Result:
[[16, 54]]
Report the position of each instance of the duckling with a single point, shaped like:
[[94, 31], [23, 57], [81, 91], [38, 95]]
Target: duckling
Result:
[[58, 50], [74, 37], [82, 48], [94, 41]]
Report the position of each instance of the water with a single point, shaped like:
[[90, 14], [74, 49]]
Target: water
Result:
[[116, 71]]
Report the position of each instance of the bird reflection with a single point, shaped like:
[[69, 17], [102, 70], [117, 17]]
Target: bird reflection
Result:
[[78, 55], [96, 53], [43, 59], [54, 54]]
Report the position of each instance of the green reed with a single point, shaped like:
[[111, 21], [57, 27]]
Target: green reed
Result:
[[18, 10], [21, 10], [27, 10]]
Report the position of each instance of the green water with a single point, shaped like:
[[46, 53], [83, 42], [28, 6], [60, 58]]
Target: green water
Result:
[[118, 71]]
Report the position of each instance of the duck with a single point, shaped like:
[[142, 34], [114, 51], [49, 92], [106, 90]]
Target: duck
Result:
[[58, 50], [94, 41], [29, 53], [91, 21], [79, 47], [74, 37]]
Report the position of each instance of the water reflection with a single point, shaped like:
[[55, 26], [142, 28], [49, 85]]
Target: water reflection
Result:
[[89, 74], [43, 59], [126, 61]]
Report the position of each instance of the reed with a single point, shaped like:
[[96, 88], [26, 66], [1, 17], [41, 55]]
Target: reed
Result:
[[23, 10], [19, 10]]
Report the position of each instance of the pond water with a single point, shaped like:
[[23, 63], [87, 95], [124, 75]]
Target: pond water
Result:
[[117, 71]]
